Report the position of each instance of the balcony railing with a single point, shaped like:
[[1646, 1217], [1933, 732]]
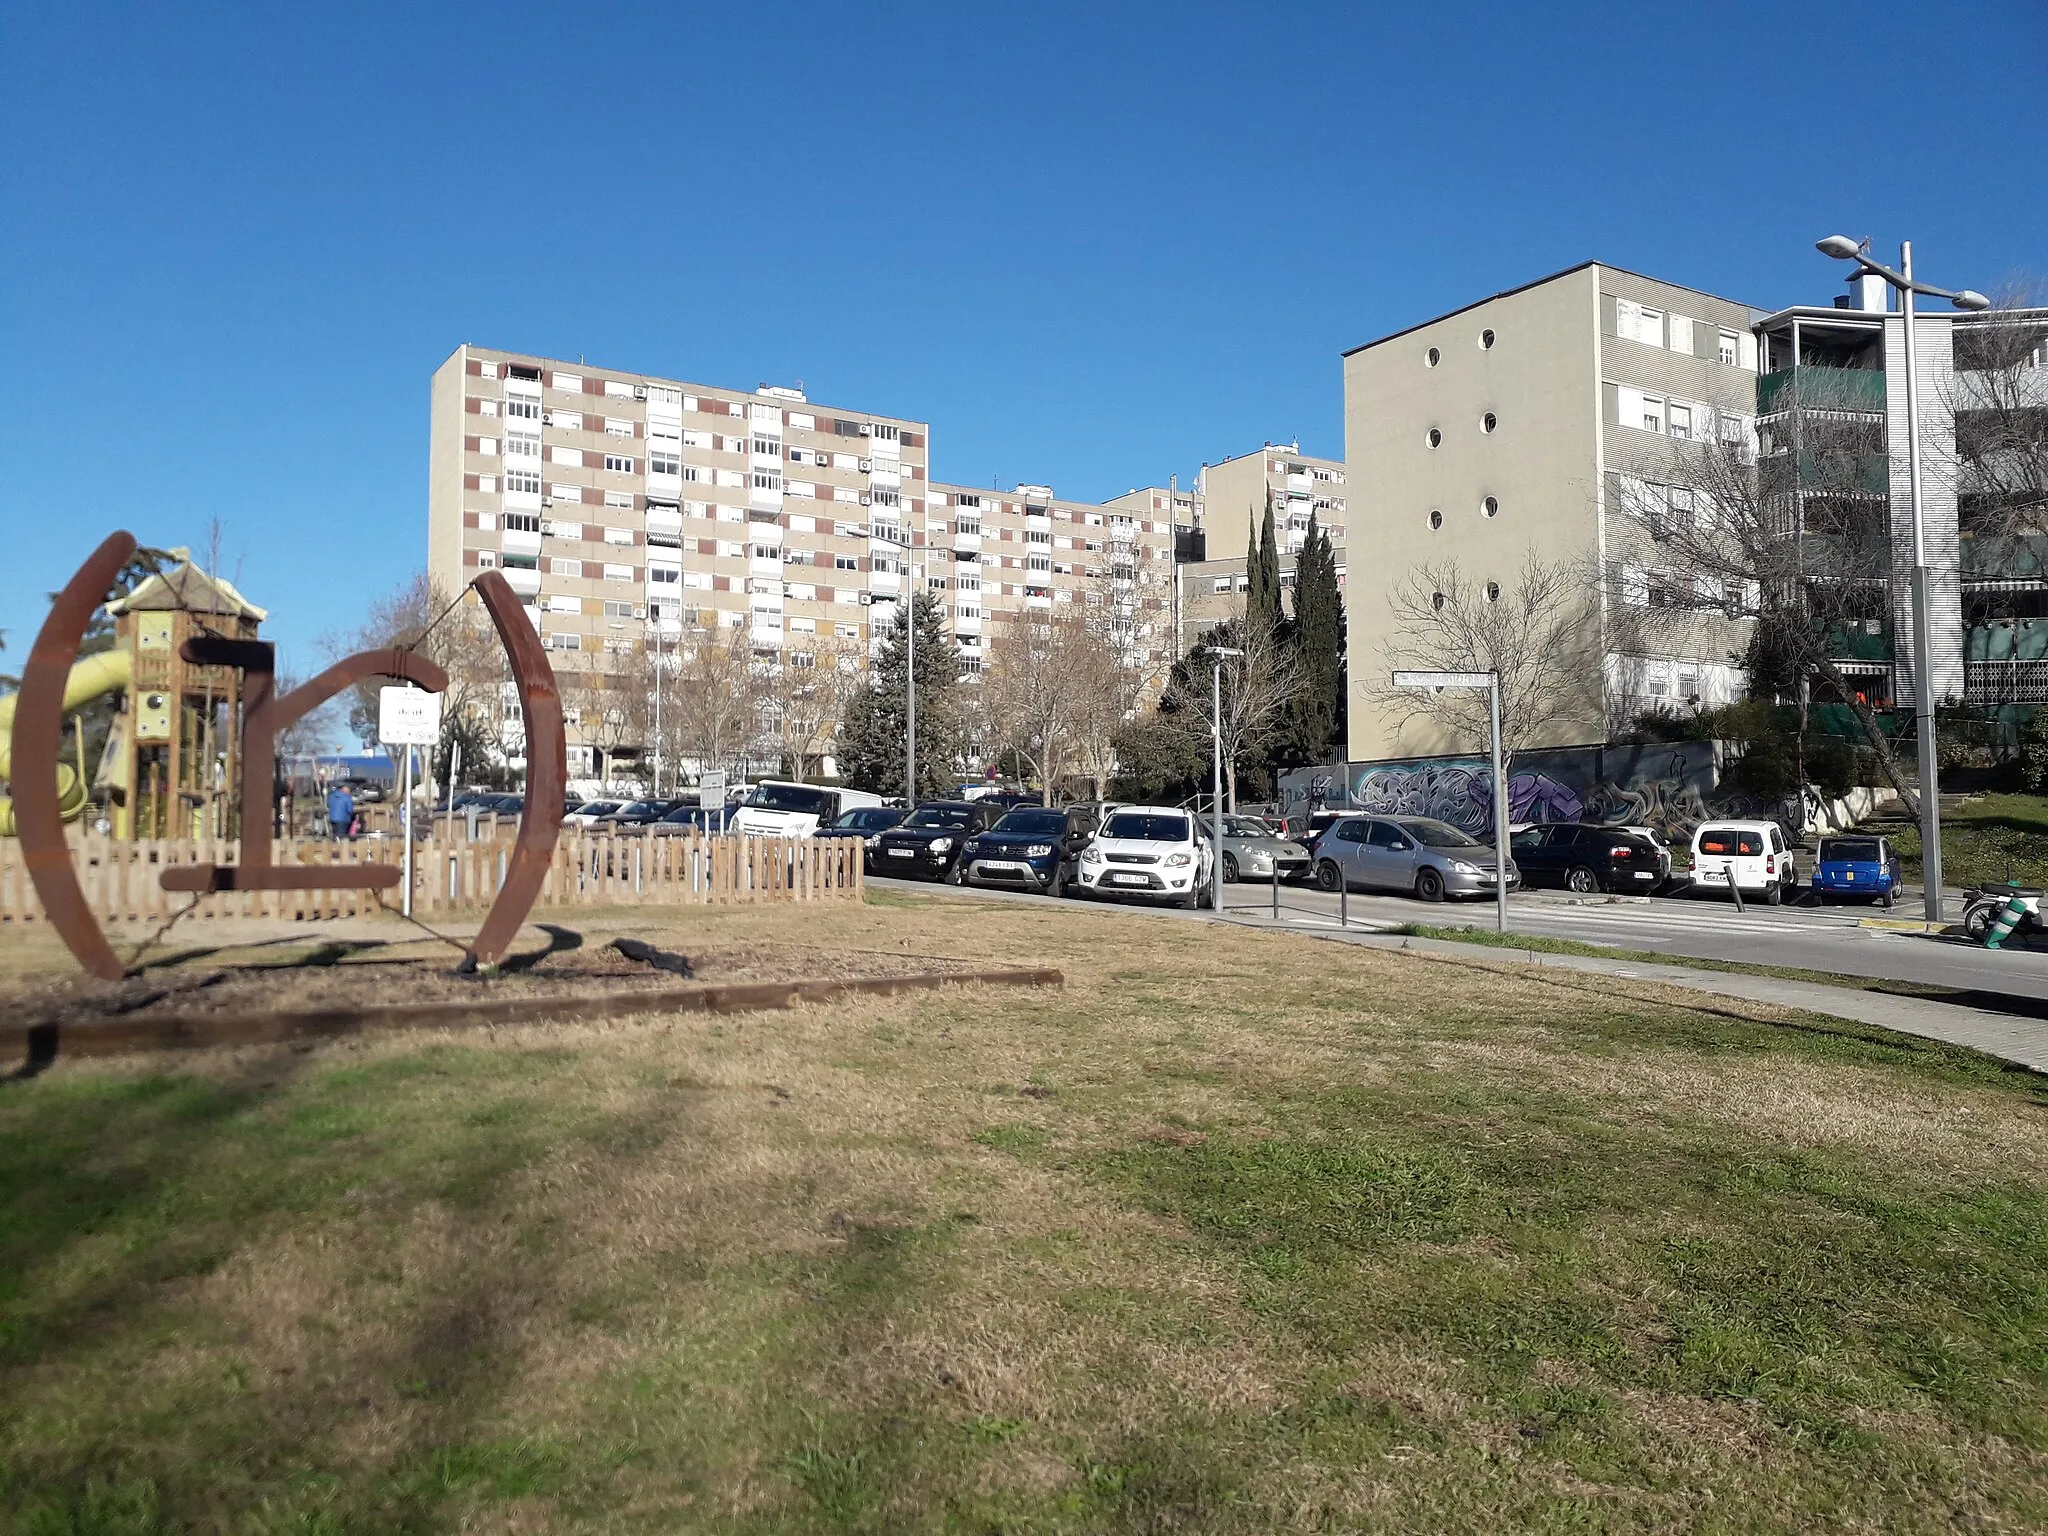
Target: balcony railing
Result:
[[2005, 682], [1821, 389]]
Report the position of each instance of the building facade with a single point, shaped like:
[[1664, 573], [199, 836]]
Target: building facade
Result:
[[1498, 433]]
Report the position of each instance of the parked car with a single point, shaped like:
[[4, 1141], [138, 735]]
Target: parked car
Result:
[[469, 797], [502, 805], [685, 819], [926, 844], [781, 808], [1251, 849], [1751, 856], [635, 815], [590, 812], [1430, 858], [1031, 848], [1586, 857], [1310, 829], [1147, 851], [1860, 867], [867, 822], [1660, 842], [362, 791]]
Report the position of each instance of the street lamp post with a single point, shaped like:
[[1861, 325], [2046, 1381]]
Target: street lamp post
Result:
[[910, 698], [1216, 785], [1842, 248]]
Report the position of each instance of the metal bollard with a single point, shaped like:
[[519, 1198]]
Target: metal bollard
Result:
[[1344, 903], [1276, 890]]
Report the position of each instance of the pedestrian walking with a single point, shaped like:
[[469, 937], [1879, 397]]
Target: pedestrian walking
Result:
[[341, 812]]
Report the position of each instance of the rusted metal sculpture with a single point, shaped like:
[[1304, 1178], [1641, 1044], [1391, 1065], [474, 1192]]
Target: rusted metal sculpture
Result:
[[38, 733]]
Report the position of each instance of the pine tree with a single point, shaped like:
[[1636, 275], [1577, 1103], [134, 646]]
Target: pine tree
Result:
[[1318, 636], [873, 732]]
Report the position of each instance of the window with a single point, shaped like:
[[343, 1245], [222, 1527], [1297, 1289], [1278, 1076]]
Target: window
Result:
[[767, 480], [1490, 507], [618, 463], [486, 559], [1435, 438], [522, 482], [620, 611], [522, 522], [618, 499], [565, 567], [664, 574], [1486, 341], [1432, 357], [659, 463], [1730, 348], [968, 583], [969, 525], [518, 445], [528, 410], [568, 421], [1493, 591], [618, 573], [886, 434], [768, 446], [561, 604], [487, 483], [1436, 519], [559, 641], [1679, 418], [845, 563]]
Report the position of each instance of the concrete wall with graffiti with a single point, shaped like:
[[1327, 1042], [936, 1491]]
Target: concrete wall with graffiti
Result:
[[1670, 786]]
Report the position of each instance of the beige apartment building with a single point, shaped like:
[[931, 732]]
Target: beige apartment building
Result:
[[1512, 426], [1230, 500], [623, 506]]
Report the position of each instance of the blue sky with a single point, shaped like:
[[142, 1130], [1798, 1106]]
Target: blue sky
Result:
[[1091, 244]]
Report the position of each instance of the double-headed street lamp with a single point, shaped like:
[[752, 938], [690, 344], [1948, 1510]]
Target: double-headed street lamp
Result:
[[1216, 741], [1842, 248]]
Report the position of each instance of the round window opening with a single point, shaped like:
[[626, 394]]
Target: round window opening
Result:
[[1437, 601], [1493, 591], [1486, 340], [1436, 519], [1435, 438], [1489, 421], [1490, 506], [1434, 357]]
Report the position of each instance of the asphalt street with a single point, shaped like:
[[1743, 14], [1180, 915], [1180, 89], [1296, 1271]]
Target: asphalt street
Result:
[[1829, 939]]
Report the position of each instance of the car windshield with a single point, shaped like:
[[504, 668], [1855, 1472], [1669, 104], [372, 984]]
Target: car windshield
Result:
[[683, 813], [950, 817], [1438, 834], [1848, 850], [1731, 840], [1140, 828], [1034, 823], [644, 808], [791, 797], [597, 807], [1245, 826], [869, 818]]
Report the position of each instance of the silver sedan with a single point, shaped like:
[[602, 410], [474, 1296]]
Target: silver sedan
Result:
[[1251, 850], [1429, 858]]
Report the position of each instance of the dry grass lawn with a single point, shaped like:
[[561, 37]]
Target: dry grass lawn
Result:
[[1238, 1232]]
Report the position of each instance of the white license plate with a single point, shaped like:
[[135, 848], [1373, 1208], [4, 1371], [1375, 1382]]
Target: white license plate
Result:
[[1131, 879], [902, 853], [1004, 864]]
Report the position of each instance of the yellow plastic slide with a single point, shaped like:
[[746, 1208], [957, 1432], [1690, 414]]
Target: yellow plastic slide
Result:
[[103, 673]]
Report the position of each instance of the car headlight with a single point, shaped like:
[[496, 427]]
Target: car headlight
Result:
[[942, 845], [875, 841], [1091, 855], [972, 850], [1460, 866], [1038, 850], [1179, 860]]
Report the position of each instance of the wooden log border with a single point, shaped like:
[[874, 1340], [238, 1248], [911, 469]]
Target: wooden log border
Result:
[[38, 1045]]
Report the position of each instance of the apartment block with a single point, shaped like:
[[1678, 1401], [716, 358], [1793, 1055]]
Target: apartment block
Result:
[[1506, 429], [1231, 500]]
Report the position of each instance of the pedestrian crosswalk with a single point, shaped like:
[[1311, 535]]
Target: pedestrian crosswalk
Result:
[[1658, 920]]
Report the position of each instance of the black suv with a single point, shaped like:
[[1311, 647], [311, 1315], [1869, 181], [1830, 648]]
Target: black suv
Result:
[[926, 845], [1585, 857]]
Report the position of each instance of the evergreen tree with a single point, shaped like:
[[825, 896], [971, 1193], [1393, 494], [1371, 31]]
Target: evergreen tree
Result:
[[1262, 566], [1318, 638], [874, 730]]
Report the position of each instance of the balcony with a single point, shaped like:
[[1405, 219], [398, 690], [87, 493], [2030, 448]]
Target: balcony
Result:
[[521, 580], [967, 543], [1856, 390]]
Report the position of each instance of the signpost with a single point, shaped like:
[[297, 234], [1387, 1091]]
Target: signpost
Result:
[[1490, 681], [711, 788], [408, 718]]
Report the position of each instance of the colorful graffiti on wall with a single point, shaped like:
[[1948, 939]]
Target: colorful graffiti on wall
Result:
[[1670, 786]]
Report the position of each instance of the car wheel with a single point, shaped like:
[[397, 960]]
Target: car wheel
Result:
[[1888, 900], [954, 876], [1057, 886], [1328, 876], [1230, 869], [1429, 885], [1773, 894], [1581, 879], [1189, 902]]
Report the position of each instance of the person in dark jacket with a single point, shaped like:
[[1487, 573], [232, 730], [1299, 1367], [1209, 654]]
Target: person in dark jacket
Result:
[[341, 811]]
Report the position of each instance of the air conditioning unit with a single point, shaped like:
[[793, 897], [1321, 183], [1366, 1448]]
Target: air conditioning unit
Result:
[[866, 430], [639, 391], [547, 501], [866, 599], [864, 463], [864, 498]]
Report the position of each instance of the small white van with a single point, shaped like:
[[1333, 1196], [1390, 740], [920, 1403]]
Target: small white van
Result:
[[1752, 856], [781, 808]]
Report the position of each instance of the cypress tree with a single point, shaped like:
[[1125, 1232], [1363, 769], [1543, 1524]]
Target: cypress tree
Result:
[[1262, 568], [1318, 636], [872, 734]]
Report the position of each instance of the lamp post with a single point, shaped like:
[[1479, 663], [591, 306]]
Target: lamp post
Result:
[[909, 695], [1216, 785], [1842, 248], [1490, 681]]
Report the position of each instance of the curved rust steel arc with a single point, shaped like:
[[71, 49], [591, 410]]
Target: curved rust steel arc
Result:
[[267, 716], [38, 736], [547, 773]]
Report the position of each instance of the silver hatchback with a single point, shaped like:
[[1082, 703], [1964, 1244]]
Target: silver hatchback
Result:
[[1430, 858]]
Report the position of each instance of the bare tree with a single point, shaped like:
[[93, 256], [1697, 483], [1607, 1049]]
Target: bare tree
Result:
[[611, 694], [456, 636], [1257, 687], [804, 697], [1791, 533], [1998, 396], [1541, 634], [1053, 687], [717, 693]]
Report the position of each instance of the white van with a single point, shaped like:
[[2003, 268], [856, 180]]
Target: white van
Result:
[[781, 808], [1750, 855]]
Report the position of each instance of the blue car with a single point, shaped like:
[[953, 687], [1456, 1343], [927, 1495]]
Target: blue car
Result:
[[1860, 867], [1030, 849]]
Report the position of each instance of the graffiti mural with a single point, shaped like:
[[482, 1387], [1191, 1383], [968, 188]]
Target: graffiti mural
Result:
[[1670, 786]]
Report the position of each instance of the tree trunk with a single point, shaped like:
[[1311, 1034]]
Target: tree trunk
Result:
[[1230, 786], [1879, 743]]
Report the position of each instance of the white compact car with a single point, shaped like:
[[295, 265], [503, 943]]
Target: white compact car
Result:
[[1153, 852], [1752, 856]]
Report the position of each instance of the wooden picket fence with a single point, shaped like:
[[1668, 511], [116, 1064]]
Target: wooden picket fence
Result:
[[452, 873]]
